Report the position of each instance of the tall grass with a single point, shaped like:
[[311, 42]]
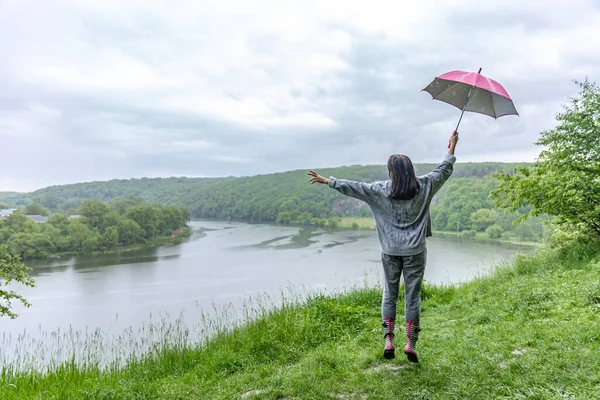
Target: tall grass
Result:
[[96, 349]]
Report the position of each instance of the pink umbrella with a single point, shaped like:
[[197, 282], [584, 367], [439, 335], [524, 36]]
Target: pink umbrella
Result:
[[470, 91]]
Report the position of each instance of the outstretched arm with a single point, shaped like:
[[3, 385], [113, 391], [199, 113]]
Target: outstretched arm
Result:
[[358, 190]]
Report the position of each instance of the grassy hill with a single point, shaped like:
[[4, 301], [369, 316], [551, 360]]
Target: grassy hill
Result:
[[530, 331]]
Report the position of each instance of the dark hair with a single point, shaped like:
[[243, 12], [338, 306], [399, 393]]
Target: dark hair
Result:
[[404, 181]]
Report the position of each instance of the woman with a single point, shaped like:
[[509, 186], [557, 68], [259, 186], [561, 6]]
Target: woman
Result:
[[400, 207]]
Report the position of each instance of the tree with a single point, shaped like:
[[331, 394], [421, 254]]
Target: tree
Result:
[[110, 237], [16, 222], [146, 216], [525, 231], [482, 219], [99, 228], [564, 181], [494, 231], [60, 221], [283, 218], [51, 202], [94, 211], [79, 233], [12, 269], [35, 209], [129, 232], [122, 203]]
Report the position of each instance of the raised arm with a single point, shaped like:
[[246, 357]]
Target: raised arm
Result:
[[358, 190], [443, 171]]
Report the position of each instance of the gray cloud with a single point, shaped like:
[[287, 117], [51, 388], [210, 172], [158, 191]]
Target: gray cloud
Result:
[[116, 89]]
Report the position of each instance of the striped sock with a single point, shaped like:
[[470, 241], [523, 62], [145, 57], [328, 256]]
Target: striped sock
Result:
[[412, 335], [388, 335]]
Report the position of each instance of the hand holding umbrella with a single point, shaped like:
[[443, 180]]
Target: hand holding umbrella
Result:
[[470, 91]]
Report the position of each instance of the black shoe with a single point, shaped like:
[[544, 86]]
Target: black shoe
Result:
[[388, 354]]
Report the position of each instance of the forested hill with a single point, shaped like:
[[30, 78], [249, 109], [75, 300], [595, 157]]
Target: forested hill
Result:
[[287, 198], [281, 197], [185, 191], [64, 198], [4, 195]]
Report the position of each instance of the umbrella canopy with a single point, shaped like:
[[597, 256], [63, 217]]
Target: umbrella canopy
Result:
[[471, 91]]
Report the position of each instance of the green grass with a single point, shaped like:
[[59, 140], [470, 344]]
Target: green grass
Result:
[[530, 331], [362, 222]]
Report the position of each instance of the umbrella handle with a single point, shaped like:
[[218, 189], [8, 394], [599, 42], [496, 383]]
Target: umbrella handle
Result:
[[461, 115]]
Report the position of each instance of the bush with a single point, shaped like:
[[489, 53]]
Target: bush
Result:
[[495, 231], [469, 234]]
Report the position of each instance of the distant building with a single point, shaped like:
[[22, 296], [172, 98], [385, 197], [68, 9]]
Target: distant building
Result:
[[5, 212], [74, 216], [38, 219]]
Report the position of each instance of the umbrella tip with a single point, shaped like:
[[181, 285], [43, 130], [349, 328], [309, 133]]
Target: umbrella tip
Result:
[[479, 71]]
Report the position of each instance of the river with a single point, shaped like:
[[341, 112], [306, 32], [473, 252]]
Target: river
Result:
[[219, 268]]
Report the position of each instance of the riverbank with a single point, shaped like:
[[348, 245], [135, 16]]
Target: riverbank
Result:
[[367, 223], [527, 331], [482, 237]]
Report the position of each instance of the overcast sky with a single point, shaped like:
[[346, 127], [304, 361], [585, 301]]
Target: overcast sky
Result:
[[102, 89]]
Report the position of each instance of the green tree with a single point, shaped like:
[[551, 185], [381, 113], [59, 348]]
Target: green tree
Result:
[[92, 242], [170, 218], [565, 179], [79, 233], [110, 219], [16, 222], [35, 209], [506, 219], [50, 202], [494, 231], [94, 211], [525, 231], [122, 203], [482, 219], [283, 218], [146, 217], [129, 232], [99, 228], [60, 221], [110, 237], [12, 269]]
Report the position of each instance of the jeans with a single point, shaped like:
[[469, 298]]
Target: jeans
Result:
[[413, 269]]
